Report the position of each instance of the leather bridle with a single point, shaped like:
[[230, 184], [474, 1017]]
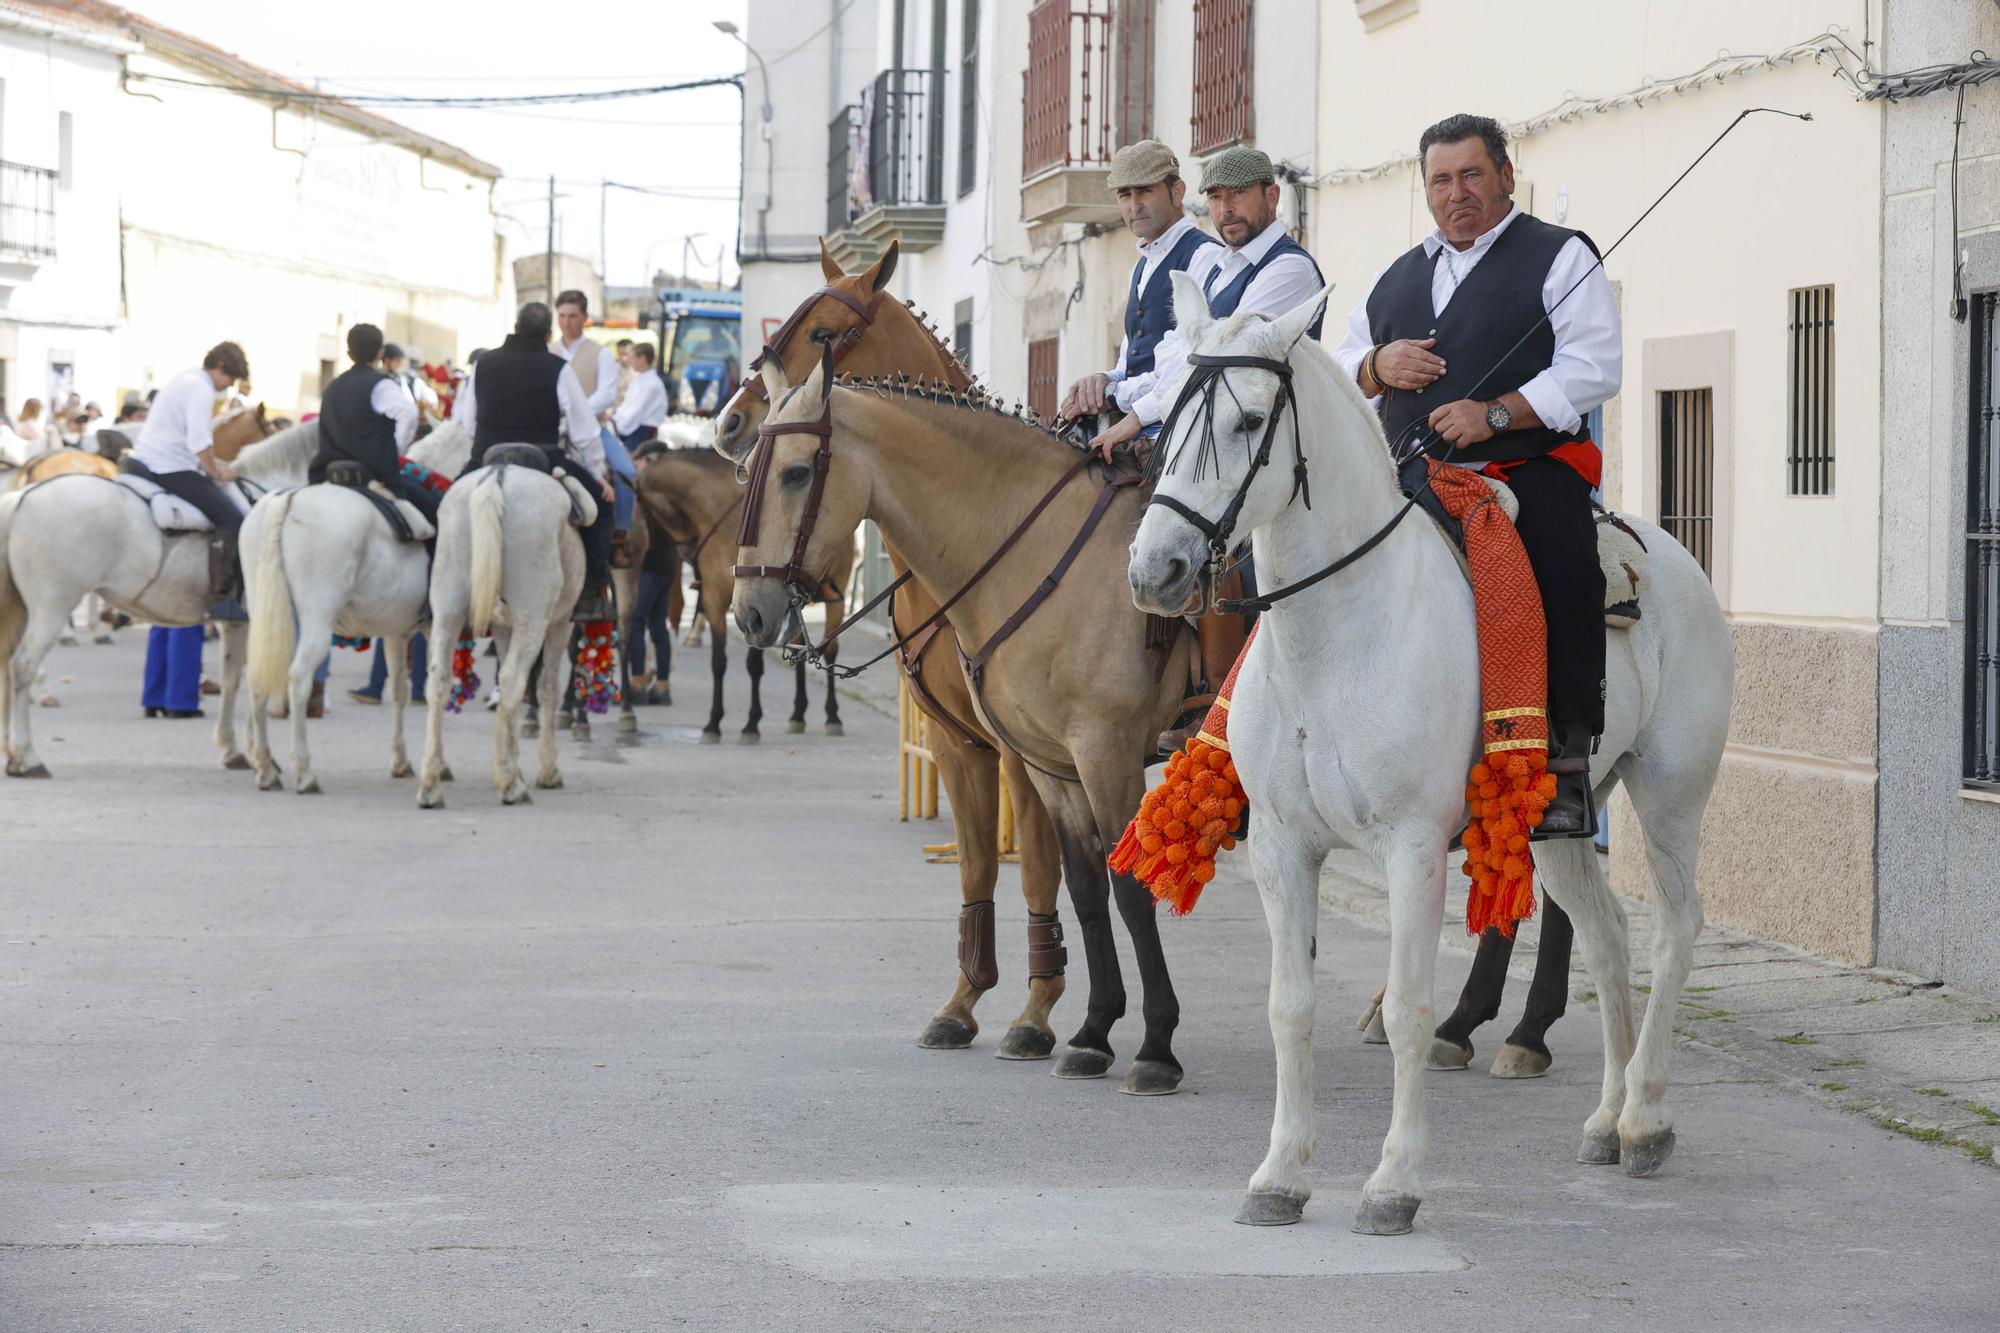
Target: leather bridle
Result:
[[800, 585], [842, 345]]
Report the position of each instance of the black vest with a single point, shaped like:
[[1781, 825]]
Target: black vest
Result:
[[1222, 302], [515, 396], [1489, 312], [1149, 314], [351, 428]]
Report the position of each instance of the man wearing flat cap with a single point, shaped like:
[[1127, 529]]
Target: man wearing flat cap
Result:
[[1258, 268], [1146, 176]]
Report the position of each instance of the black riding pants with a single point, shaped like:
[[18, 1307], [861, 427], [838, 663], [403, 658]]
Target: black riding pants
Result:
[[425, 499], [201, 491], [1559, 531]]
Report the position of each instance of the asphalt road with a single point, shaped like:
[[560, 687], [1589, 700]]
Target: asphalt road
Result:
[[640, 1055]]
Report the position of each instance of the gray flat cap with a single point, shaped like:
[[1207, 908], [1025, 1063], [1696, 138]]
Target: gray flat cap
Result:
[[1235, 168], [1147, 162]]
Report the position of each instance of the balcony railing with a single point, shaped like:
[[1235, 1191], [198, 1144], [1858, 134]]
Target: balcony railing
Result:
[[1067, 108], [27, 212], [844, 188], [904, 110]]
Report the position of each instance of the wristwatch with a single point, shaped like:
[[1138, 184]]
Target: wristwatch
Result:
[[1498, 417]]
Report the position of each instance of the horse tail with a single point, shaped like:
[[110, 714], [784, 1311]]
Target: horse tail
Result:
[[489, 508], [273, 635], [13, 609]]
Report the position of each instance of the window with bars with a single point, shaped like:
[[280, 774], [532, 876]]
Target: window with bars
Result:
[[1982, 554], [1042, 358], [1221, 74], [1809, 456], [1132, 33], [968, 99], [1687, 471], [961, 333]]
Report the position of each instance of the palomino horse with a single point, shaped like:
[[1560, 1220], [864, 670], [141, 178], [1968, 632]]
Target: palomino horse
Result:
[[1029, 532], [509, 563], [79, 534], [1357, 716], [60, 463], [693, 496], [321, 561], [969, 761]]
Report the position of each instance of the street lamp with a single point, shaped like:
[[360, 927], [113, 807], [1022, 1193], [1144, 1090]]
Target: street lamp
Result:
[[729, 29]]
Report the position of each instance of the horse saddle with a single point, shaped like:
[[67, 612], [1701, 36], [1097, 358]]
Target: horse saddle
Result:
[[1620, 553], [405, 520], [582, 504], [170, 512]]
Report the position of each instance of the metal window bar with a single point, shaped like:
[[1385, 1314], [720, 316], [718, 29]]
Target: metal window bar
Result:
[[1222, 75], [1982, 555], [27, 211], [905, 164], [1042, 357], [1132, 25], [1809, 457], [968, 99], [843, 144], [1066, 101], [1687, 471]]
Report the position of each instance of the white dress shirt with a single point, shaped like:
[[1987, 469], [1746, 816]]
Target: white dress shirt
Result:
[[1285, 281], [1127, 388], [579, 422], [606, 393], [1589, 359], [644, 404], [392, 400], [180, 424]]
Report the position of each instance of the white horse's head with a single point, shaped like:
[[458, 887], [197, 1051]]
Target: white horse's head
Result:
[[280, 460], [1224, 470]]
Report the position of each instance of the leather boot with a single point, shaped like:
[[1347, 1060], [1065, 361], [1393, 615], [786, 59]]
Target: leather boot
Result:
[[1571, 814], [225, 580]]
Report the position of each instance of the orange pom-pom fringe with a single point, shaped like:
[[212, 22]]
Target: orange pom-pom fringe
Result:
[[1183, 824], [1497, 858]]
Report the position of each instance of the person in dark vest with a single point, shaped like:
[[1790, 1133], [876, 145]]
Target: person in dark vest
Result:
[[522, 393], [366, 417], [1451, 343], [1146, 177]]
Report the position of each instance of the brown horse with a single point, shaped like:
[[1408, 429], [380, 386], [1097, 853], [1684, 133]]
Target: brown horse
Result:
[[245, 425], [692, 494], [970, 762]]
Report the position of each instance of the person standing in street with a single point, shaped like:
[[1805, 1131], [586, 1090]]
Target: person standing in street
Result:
[[596, 368], [173, 671], [175, 449]]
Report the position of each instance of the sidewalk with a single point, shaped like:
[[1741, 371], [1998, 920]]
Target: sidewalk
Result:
[[1917, 1057]]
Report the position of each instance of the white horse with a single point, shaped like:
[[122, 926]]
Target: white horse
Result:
[[73, 535], [322, 561], [1357, 717], [509, 562]]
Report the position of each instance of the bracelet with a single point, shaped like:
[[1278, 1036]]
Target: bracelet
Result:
[[1368, 369]]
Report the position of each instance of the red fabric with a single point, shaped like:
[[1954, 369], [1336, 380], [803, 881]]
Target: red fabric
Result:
[[1582, 455]]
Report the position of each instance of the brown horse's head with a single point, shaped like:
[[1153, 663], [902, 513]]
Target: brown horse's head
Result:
[[246, 425], [895, 340]]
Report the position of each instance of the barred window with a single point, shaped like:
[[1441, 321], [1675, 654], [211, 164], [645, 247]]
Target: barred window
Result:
[[961, 332], [1687, 471], [968, 100], [1982, 555], [1809, 459], [1042, 358], [1221, 74]]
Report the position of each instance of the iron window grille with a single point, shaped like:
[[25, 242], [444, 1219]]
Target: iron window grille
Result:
[[1982, 555], [961, 333], [968, 100], [843, 151], [1042, 358], [1809, 458], [905, 152], [1221, 74], [1687, 471], [27, 211]]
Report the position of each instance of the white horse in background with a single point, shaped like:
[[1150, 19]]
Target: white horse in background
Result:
[[510, 563], [321, 561], [1355, 721], [73, 535]]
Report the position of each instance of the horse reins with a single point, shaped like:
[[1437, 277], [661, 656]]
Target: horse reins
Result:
[[841, 346]]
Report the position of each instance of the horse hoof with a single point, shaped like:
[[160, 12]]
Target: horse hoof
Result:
[[563, 721], [835, 729], [236, 762], [1082, 1062], [1599, 1150], [711, 738], [430, 798], [531, 730], [795, 726], [1520, 1062], [444, 774], [947, 1034], [309, 787], [628, 724], [552, 782], [1151, 1078], [517, 794], [104, 639], [35, 770], [401, 769], [1270, 1210], [1390, 1215], [1026, 1043], [659, 695], [580, 731], [1372, 1030], [1644, 1157], [271, 781], [1446, 1054], [750, 738]]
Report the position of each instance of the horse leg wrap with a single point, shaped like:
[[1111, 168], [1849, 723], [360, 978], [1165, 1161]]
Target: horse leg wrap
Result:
[[977, 956], [1046, 955]]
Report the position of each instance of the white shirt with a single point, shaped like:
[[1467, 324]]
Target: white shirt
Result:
[[644, 404], [180, 425], [1128, 388], [579, 422], [1285, 281], [1589, 359], [391, 400], [416, 388], [606, 392]]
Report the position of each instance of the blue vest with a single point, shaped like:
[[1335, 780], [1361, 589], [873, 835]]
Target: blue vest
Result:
[[1149, 314], [1222, 304]]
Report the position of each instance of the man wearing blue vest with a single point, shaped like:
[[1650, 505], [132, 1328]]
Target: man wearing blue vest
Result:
[[1146, 176]]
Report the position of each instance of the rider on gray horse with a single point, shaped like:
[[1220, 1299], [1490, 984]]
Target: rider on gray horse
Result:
[[367, 418], [175, 449]]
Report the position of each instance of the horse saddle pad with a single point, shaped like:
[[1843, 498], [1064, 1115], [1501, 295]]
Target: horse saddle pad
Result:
[[582, 504], [170, 512], [405, 519], [1620, 553]]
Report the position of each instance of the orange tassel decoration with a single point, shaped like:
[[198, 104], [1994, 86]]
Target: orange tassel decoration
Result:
[[1507, 794], [1192, 816]]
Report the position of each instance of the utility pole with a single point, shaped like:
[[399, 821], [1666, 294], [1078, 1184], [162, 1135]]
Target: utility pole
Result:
[[549, 272]]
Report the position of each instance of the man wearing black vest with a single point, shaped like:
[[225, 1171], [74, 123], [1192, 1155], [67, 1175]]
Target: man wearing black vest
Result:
[[1452, 344], [366, 417], [522, 393]]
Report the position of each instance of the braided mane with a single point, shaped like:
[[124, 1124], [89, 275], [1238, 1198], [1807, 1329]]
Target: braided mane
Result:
[[945, 394]]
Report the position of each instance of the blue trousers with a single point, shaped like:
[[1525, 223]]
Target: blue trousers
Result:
[[649, 617], [420, 662], [173, 669], [624, 474]]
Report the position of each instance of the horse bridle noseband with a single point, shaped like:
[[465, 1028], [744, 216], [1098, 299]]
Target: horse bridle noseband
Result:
[[800, 585], [841, 346]]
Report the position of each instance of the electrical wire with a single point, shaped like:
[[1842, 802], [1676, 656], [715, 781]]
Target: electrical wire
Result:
[[571, 98]]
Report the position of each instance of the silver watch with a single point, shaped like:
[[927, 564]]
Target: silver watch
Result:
[[1498, 417]]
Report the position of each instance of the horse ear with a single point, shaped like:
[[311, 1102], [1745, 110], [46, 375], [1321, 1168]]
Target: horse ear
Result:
[[1191, 315], [775, 380], [878, 277], [1293, 324], [826, 264]]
